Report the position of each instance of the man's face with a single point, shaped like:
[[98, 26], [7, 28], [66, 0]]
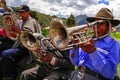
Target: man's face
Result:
[[24, 15], [100, 29]]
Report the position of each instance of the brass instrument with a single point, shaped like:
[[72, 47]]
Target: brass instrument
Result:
[[28, 41], [61, 36], [10, 23], [38, 44], [11, 27]]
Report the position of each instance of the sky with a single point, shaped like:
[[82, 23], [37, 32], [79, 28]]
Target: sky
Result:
[[63, 8]]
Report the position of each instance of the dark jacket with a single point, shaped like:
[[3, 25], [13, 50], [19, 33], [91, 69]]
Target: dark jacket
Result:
[[65, 67], [5, 43]]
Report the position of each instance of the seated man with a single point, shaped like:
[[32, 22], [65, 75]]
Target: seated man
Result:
[[5, 43], [54, 66]]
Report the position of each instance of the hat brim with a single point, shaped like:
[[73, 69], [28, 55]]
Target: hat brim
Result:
[[114, 22], [6, 13], [21, 10]]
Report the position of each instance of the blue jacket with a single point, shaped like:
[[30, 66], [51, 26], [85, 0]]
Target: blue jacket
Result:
[[103, 61]]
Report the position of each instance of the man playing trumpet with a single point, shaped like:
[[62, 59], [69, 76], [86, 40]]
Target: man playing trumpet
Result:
[[98, 57]]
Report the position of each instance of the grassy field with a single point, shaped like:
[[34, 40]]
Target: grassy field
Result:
[[119, 68]]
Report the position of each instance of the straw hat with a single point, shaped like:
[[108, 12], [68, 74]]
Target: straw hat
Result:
[[105, 14]]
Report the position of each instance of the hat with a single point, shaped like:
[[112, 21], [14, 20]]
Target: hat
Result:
[[105, 14], [23, 8], [6, 13]]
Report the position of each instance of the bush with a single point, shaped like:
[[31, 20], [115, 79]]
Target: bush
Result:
[[45, 32]]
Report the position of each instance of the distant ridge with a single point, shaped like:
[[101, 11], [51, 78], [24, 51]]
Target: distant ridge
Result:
[[81, 19]]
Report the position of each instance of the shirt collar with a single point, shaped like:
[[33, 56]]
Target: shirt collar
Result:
[[107, 39]]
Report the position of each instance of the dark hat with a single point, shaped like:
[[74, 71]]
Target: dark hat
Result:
[[23, 8], [6, 13], [104, 14]]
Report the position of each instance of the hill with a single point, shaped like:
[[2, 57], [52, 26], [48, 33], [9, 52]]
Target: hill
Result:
[[44, 20], [81, 19]]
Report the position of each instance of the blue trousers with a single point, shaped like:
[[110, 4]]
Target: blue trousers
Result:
[[10, 58], [0, 69]]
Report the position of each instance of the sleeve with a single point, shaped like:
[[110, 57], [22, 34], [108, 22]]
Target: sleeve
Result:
[[106, 65], [74, 56], [37, 27], [29, 26]]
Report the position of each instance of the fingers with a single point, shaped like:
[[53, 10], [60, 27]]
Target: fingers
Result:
[[88, 46]]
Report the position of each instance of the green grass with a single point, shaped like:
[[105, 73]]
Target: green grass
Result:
[[116, 36], [119, 68]]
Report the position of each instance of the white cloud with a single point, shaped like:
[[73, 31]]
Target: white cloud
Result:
[[66, 7]]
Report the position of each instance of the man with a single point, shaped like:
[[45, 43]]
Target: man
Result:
[[97, 58], [5, 43], [11, 57], [52, 67]]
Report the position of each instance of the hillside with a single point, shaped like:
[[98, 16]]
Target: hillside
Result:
[[81, 19], [44, 20]]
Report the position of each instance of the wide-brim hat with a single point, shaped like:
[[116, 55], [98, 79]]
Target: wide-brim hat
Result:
[[104, 14]]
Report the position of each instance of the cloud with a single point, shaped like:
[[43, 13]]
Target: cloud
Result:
[[63, 8]]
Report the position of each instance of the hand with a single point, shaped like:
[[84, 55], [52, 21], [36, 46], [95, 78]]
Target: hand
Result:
[[88, 46], [12, 34], [47, 58], [15, 29]]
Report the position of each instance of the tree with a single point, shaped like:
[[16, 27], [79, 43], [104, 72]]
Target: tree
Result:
[[71, 21], [33, 14]]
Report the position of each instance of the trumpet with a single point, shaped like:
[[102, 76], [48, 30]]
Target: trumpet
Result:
[[38, 44], [61, 36], [9, 21], [11, 26]]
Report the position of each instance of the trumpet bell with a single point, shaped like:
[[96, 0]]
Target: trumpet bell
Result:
[[58, 34], [29, 41]]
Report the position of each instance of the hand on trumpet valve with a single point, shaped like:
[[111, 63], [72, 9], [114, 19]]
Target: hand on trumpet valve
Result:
[[74, 40], [88, 46]]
